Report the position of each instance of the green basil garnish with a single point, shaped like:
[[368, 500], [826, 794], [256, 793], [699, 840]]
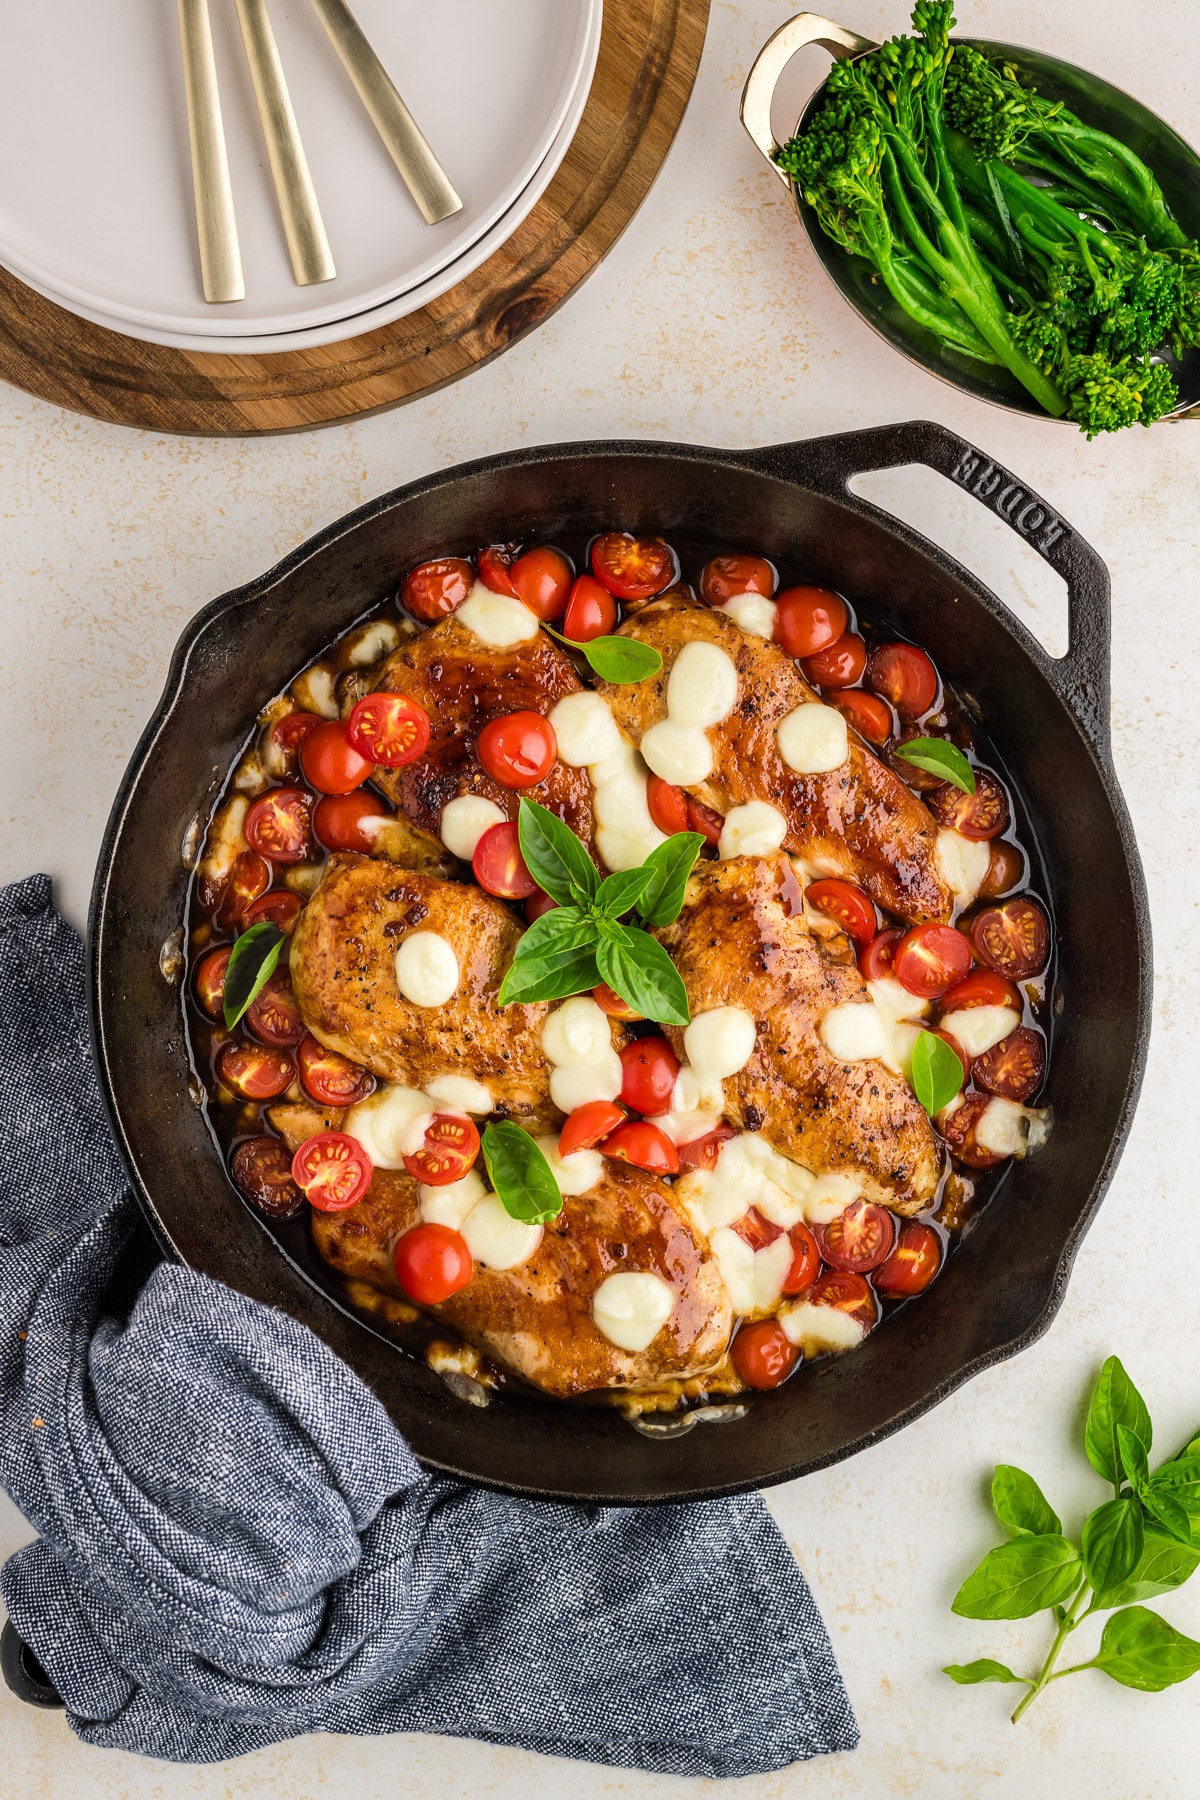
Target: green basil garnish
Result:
[[937, 1073], [936, 757], [618, 660], [520, 1174], [555, 857], [251, 965]]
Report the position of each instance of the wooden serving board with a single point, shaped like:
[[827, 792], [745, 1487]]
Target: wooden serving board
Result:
[[649, 52]]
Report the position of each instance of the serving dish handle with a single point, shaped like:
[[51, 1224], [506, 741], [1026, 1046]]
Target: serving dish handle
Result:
[[774, 57], [1081, 676]]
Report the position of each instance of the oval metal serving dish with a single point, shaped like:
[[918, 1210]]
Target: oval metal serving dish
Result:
[[1097, 102], [1049, 722]]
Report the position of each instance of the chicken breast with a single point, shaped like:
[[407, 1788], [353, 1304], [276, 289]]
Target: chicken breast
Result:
[[859, 821], [536, 1320], [741, 940]]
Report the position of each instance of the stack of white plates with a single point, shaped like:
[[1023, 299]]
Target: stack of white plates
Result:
[[96, 206]]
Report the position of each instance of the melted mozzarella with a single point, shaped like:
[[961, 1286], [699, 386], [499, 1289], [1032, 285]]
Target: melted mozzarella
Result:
[[577, 1039], [748, 1172], [829, 1196], [497, 620], [817, 1330], [426, 969], [625, 832], [755, 829], [686, 1127], [1008, 1129], [495, 1239], [577, 1173], [226, 838], [460, 1094], [753, 612], [680, 754], [894, 1001], [702, 688], [464, 822], [695, 1091], [391, 1124], [631, 1308], [580, 1082], [720, 1042], [585, 729], [450, 1204], [855, 1032], [813, 739], [977, 1028], [753, 1278], [962, 863]]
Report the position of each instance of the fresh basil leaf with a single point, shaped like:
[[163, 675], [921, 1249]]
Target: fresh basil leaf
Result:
[[555, 857], [1164, 1565], [621, 659], [936, 757], [1115, 1402], [1020, 1505], [637, 967], [1182, 1473], [1113, 1538], [937, 1074], [1140, 1650], [520, 1174], [251, 965], [621, 892], [555, 957], [670, 865], [1020, 1578], [1167, 1510], [1131, 1454], [983, 1669]]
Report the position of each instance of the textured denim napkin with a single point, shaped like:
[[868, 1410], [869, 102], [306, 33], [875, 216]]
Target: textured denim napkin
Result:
[[236, 1546]]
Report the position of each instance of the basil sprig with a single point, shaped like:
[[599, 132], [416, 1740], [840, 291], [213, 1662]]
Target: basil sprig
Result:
[[251, 965], [519, 1173], [616, 659], [1142, 1542], [585, 939], [937, 1073], [936, 757]]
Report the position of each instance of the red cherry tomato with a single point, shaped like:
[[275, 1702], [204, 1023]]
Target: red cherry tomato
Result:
[[389, 729], [434, 589], [262, 1170], [912, 1265], [538, 902], [591, 611], [877, 961], [847, 1292], [1012, 938], [495, 569], [273, 1015], [432, 1263], [588, 1125], [644, 1145], [959, 1132], [809, 620], [1014, 1067], [542, 578], [333, 1169], [858, 1239], [757, 1231], [1005, 871], [277, 825], [286, 736], [841, 665], [340, 821], [982, 987], [499, 867], [762, 1355], [870, 716], [806, 1260], [255, 1071], [905, 676], [610, 1002], [448, 1153], [209, 980], [649, 1067], [983, 814], [668, 805], [930, 959], [848, 905], [725, 577], [518, 749], [278, 907], [330, 762], [702, 1152], [633, 568], [330, 1078], [249, 877], [708, 823]]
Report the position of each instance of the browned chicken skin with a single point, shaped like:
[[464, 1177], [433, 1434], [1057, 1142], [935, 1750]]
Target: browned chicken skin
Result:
[[741, 940], [859, 821]]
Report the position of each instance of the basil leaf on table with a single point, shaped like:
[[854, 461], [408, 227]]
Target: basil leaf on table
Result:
[[621, 892], [251, 964], [637, 967], [1164, 1565], [1167, 1511], [555, 857], [982, 1669], [1113, 1538], [1019, 1578], [1115, 1402], [519, 1174], [1131, 1454], [1020, 1506], [936, 757], [937, 1073], [556, 957], [1140, 1650], [670, 865]]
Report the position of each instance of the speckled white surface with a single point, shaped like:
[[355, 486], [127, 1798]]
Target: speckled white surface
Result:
[[710, 322]]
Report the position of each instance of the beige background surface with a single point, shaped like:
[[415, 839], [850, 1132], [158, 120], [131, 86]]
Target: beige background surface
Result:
[[711, 322]]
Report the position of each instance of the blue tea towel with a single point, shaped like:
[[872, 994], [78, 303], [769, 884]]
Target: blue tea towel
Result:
[[236, 1546]]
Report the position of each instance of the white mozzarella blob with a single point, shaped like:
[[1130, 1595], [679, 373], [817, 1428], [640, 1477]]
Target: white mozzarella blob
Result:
[[450, 1204], [497, 619], [1008, 1129], [818, 1330], [755, 829], [578, 1031], [977, 1028], [753, 612], [631, 1308], [226, 838], [753, 1278], [313, 691], [813, 739], [962, 863], [577, 1173], [585, 729], [495, 1239], [696, 1091], [702, 688], [904, 1041], [748, 1172], [464, 822], [619, 801], [576, 1083], [856, 1031], [625, 832], [458, 1093], [626, 849], [686, 1127], [391, 1124], [894, 1001], [829, 1196], [426, 969], [720, 1042], [678, 753]]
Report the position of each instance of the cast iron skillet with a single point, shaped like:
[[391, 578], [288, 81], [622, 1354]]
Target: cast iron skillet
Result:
[[1050, 720]]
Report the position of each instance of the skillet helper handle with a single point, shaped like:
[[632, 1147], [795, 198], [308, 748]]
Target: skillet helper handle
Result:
[[774, 57], [1081, 677], [23, 1674]]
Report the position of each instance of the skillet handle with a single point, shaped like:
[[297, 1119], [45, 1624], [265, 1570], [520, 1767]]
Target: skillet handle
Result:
[[1081, 677], [773, 59]]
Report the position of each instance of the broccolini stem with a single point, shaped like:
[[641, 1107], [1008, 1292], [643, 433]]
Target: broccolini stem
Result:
[[1114, 165]]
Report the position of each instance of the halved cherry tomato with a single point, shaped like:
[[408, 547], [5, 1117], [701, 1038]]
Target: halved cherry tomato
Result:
[[330, 1078], [433, 1262], [841, 665], [539, 901], [287, 735], [905, 676], [757, 1231], [912, 1265], [1005, 871], [703, 819], [518, 749], [958, 1129], [434, 589], [591, 611], [1014, 1067], [806, 1260], [633, 568], [339, 821], [610, 1002], [983, 814], [262, 1170], [649, 1067], [209, 980], [588, 1125], [499, 867], [668, 805], [982, 987], [877, 961], [1012, 938], [389, 729], [249, 877], [495, 569], [644, 1145], [725, 577], [848, 905], [277, 825], [858, 1239], [330, 762], [869, 715], [255, 1071], [273, 1015], [448, 1153], [277, 907], [846, 1292], [952, 1043], [702, 1152], [930, 959], [542, 578], [809, 620], [762, 1355], [333, 1169]]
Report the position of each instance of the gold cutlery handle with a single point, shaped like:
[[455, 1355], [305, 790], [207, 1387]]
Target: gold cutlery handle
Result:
[[303, 226], [422, 173], [216, 222]]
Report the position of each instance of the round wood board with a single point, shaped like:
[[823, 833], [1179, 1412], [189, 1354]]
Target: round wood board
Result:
[[649, 52]]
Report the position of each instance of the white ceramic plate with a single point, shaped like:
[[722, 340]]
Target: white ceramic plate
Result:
[[95, 177]]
